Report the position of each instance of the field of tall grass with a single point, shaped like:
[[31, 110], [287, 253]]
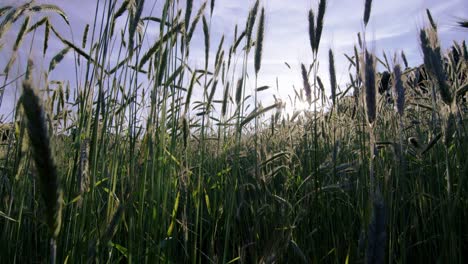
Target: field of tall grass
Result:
[[127, 165]]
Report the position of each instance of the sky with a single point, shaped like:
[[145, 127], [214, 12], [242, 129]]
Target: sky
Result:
[[393, 27]]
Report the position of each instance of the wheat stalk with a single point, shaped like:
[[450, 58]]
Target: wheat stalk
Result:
[[403, 57], [320, 20], [189, 92], [225, 100], [206, 34], [434, 63], [259, 42], [45, 165], [332, 75], [195, 21], [369, 84], [312, 30], [463, 23], [305, 80], [85, 36], [431, 20], [398, 90], [367, 11], [134, 20], [58, 58], [83, 176], [251, 22], [239, 91], [211, 95], [188, 13], [212, 5]]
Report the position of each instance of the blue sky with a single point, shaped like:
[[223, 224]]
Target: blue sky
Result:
[[393, 27]]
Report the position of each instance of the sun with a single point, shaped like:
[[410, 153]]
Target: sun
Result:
[[298, 105]]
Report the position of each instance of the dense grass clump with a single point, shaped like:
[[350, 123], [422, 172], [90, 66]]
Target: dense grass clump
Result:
[[146, 158]]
